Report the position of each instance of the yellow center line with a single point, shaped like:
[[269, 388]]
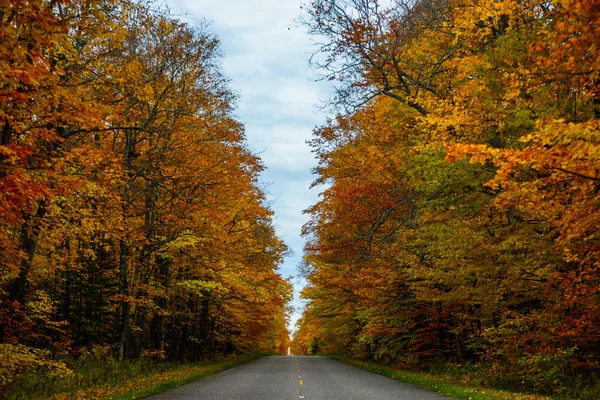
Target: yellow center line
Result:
[[301, 382]]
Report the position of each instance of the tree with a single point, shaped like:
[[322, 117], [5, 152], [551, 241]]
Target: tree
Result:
[[466, 232], [371, 50], [130, 214]]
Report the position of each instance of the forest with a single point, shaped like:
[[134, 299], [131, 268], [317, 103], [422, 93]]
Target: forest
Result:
[[459, 219], [132, 219]]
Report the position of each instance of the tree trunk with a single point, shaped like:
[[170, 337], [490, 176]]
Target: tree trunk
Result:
[[6, 135], [29, 233], [125, 306], [459, 355], [124, 248]]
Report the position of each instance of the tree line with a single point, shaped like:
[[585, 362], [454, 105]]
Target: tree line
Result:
[[460, 213], [131, 216]]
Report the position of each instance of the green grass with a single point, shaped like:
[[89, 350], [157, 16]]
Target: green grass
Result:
[[448, 383], [116, 380], [161, 387]]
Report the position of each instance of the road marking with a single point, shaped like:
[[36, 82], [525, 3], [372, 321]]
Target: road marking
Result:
[[301, 383], [300, 397]]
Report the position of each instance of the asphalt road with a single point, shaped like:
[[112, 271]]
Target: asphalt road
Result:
[[297, 377]]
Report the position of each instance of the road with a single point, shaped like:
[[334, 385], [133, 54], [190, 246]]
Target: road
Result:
[[297, 377]]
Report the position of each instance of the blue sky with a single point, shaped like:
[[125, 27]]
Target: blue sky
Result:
[[266, 57]]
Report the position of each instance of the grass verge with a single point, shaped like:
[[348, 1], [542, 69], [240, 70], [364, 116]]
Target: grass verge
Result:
[[117, 380], [447, 384], [191, 374]]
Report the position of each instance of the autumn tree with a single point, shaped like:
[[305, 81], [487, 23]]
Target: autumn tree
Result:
[[492, 255], [44, 99], [131, 217], [370, 49]]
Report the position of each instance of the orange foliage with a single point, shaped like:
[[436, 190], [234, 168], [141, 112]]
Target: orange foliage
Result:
[[468, 230], [129, 209]]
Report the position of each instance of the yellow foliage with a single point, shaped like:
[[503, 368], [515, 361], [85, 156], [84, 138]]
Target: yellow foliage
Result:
[[17, 360]]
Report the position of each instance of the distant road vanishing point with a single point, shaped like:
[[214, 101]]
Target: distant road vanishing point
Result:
[[297, 377]]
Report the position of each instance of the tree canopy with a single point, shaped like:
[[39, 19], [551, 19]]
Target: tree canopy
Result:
[[131, 216], [460, 211]]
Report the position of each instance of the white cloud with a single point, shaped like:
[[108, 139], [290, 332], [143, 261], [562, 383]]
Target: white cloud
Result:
[[266, 57], [256, 14]]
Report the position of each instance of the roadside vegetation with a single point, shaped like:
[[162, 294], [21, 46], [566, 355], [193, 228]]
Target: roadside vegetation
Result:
[[98, 377], [459, 219], [474, 382], [132, 224]]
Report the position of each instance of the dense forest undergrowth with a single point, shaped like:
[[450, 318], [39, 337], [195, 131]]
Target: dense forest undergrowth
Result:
[[475, 381], [98, 375], [131, 217], [460, 212]]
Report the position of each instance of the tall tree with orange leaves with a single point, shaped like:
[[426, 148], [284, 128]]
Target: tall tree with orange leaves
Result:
[[496, 146], [130, 214]]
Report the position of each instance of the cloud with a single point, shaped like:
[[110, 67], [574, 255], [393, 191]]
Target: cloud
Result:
[[266, 58]]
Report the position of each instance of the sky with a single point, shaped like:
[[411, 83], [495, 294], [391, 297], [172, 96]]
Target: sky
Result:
[[266, 57]]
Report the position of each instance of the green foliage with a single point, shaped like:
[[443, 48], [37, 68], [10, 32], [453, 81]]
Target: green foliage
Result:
[[314, 346]]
